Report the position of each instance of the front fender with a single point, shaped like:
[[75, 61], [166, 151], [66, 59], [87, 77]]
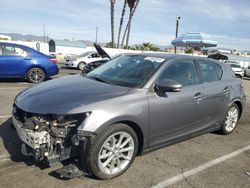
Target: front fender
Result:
[[99, 120]]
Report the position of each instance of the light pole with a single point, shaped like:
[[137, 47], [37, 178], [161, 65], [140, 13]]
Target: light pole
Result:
[[96, 34], [177, 28]]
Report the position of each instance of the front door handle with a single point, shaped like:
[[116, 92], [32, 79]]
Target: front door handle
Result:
[[198, 96]]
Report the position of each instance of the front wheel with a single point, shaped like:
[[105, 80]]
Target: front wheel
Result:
[[81, 65], [231, 119], [113, 151], [36, 75]]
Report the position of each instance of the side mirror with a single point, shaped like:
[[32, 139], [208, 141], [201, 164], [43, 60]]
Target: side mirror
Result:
[[167, 85]]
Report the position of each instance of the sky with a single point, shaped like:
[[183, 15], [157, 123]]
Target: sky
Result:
[[227, 21]]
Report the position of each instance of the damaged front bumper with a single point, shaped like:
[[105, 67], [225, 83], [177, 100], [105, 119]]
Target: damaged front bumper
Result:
[[50, 139]]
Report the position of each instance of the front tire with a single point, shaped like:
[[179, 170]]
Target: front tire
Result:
[[112, 151], [36, 75], [81, 65], [231, 120]]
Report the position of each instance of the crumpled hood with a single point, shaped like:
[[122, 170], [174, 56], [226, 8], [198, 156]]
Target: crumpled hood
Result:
[[60, 96]]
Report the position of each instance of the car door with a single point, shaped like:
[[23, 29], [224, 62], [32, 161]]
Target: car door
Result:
[[12, 61], [177, 113], [216, 92]]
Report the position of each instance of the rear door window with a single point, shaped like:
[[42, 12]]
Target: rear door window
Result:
[[211, 72]]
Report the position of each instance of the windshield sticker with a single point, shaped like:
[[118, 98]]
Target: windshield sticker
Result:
[[157, 59]]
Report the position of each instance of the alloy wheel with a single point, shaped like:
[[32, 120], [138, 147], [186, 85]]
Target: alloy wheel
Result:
[[81, 66], [116, 153], [231, 119], [36, 75]]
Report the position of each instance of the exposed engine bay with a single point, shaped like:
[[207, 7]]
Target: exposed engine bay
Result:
[[49, 138]]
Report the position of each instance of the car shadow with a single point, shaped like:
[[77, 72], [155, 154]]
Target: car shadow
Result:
[[69, 68], [13, 80], [13, 144], [246, 78]]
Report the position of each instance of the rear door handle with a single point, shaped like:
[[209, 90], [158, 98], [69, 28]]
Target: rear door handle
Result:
[[198, 96]]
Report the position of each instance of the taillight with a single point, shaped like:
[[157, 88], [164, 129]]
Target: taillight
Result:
[[53, 60]]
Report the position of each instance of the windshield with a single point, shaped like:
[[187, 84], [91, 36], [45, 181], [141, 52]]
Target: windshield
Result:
[[85, 54], [127, 70]]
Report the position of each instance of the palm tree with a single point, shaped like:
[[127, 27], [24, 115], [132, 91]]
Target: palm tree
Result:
[[147, 46], [132, 5], [121, 23], [112, 10]]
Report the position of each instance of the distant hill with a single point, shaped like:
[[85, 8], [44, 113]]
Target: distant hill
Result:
[[17, 36]]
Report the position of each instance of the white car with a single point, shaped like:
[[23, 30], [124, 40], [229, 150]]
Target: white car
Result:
[[82, 60], [247, 71], [238, 70]]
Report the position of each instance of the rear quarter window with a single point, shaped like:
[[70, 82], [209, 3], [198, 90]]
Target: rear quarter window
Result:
[[219, 71], [211, 72]]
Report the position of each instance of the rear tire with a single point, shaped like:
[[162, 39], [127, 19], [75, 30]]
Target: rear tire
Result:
[[231, 120], [36, 75], [112, 151]]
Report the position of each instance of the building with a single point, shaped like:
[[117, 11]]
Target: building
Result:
[[66, 47]]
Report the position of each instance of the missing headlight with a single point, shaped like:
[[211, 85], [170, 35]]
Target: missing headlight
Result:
[[53, 138]]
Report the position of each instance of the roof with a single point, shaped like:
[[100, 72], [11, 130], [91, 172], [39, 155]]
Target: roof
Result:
[[17, 45], [26, 48], [174, 56], [169, 56], [66, 43]]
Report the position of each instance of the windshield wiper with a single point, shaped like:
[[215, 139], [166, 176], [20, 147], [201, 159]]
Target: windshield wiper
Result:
[[99, 79]]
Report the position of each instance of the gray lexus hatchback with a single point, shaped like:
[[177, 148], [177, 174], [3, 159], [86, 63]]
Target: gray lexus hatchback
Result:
[[126, 107]]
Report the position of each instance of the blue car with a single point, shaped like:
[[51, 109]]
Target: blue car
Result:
[[18, 61]]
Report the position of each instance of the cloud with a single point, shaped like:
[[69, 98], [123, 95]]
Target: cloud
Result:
[[160, 39], [223, 10], [232, 42], [154, 20]]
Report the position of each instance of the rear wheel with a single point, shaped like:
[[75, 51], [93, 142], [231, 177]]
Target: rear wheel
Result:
[[81, 65], [36, 75], [231, 119], [113, 151]]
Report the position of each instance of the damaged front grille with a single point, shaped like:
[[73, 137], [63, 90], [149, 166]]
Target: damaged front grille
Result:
[[61, 133]]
